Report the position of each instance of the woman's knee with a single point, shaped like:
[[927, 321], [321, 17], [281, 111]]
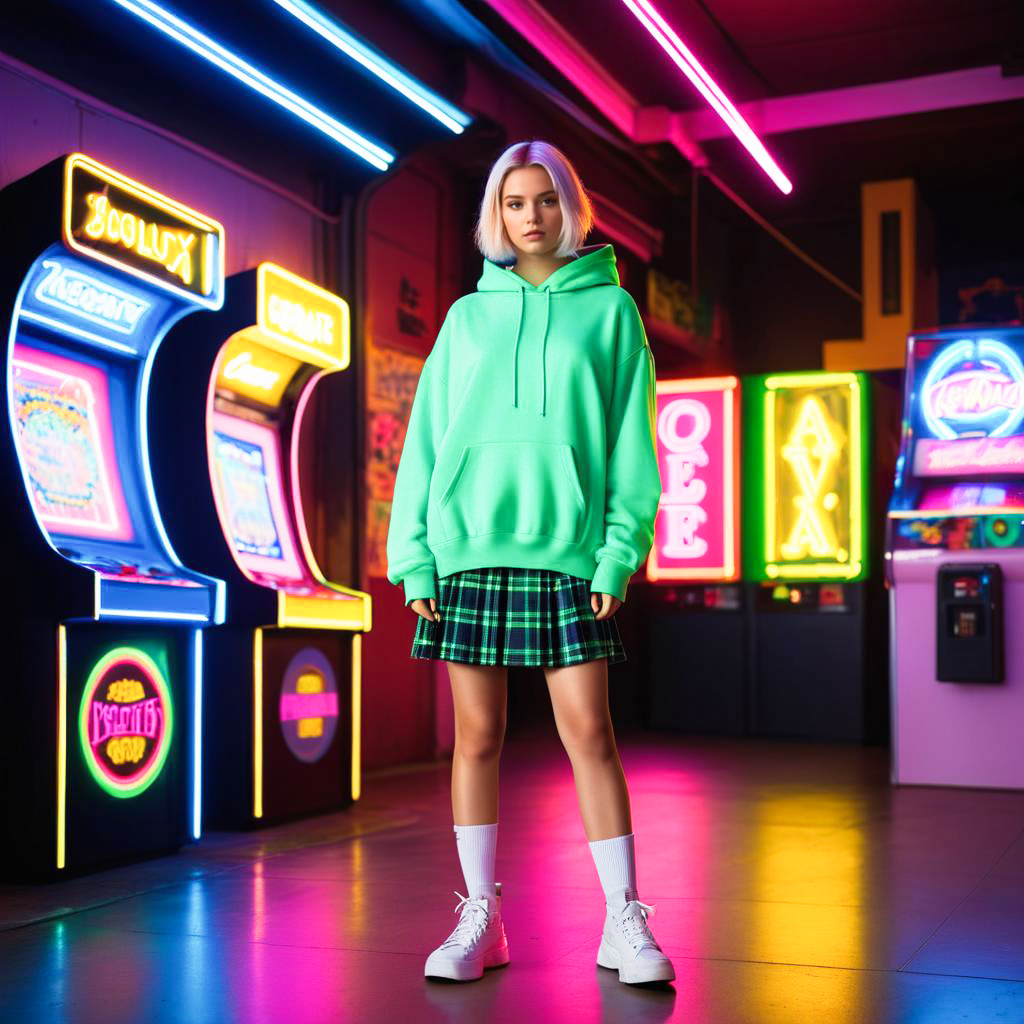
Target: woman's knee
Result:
[[589, 736], [479, 738]]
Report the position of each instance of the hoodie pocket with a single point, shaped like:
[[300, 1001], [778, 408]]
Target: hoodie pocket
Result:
[[524, 487]]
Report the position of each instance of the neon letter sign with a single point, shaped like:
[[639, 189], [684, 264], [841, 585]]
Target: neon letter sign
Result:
[[125, 722], [72, 291], [110, 218], [695, 532], [308, 707], [302, 317], [974, 388], [811, 450], [814, 476]]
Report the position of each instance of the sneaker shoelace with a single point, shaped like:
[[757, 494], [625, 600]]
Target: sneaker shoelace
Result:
[[633, 923], [472, 921]]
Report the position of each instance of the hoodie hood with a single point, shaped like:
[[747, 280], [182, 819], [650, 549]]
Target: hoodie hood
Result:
[[593, 266]]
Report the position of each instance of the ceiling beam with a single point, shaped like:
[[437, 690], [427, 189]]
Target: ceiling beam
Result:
[[967, 88]]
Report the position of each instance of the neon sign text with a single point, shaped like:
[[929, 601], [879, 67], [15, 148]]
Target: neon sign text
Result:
[[125, 721], [242, 368], [974, 388], [170, 248], [292, 318], [810, 451], [299, 317], [72, 291], [974, 392], [120, 222], [814, 476], [308, 705], [685, 492]]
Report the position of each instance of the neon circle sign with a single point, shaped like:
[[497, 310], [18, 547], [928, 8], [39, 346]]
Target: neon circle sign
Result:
[[974, 389], [125, 722], [308, 708]]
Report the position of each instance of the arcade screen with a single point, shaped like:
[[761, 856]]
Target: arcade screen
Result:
[[61, 409], [245, 461]]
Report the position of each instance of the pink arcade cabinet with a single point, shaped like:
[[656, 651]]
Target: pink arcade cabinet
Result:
[[955, 562]]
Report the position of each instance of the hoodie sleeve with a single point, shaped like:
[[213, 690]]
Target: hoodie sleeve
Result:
[[633, 483], [410, 560]]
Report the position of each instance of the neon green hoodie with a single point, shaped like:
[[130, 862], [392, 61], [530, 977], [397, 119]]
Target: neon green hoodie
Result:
[[531, 436]]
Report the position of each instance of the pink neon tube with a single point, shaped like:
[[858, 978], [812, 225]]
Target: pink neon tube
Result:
[[684, 59]]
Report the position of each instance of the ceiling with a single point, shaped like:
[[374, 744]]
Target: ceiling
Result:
[[759, 50]]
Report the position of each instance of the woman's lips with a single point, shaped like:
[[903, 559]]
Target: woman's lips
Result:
[[534, 234]]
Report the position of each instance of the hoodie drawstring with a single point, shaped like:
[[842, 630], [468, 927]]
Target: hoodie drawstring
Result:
[[515, 349], [543, 351]]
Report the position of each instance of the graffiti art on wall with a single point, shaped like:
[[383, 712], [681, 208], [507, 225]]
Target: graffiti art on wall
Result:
[[391, 379]]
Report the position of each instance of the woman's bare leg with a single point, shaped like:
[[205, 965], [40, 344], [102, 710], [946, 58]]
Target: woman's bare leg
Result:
[[480, 694], [579, 697]]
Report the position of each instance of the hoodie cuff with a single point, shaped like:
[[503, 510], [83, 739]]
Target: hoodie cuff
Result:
[[419, 585], [612, 578]]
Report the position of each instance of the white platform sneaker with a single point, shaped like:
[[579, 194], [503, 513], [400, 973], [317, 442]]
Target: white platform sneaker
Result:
[[628, 946], [478, 941]]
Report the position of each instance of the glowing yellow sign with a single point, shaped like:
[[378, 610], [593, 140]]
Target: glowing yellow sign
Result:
[[302, 318], [814, 476], [251, 370], [121, 222]]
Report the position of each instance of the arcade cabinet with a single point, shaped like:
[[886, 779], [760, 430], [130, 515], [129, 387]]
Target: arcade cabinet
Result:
[[103, 684], [817, 601], [282, 723], [697, 610], [955, 556]]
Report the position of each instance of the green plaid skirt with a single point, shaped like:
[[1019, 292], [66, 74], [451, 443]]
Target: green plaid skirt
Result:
[[507, 616]]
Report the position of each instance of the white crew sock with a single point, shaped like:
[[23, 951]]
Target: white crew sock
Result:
[[616, 867], [477, 845]]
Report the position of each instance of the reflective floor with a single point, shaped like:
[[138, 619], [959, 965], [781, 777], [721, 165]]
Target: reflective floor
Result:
[[792, 884]]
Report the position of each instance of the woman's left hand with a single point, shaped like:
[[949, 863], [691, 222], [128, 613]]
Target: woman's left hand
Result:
[[604, 605]]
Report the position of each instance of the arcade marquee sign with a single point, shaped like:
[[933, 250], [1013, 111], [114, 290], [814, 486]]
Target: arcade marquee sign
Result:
[[126, 721], [809, 460], [120, 222], [972, 403]]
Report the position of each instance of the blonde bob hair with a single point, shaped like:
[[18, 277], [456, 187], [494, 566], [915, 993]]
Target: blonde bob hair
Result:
[[577, 212]]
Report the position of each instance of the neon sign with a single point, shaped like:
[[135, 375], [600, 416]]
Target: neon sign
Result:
[[72, 291], [974, 388], [125, 721], [814, 476], [121, 222], [250, 370], [308, 707], [303, 318], [695, 534]]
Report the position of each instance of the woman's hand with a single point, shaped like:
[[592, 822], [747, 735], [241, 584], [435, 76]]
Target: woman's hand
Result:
[[427, 607], [604, 605]]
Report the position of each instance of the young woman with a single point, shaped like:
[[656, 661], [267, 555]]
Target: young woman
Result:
[[525, 499]]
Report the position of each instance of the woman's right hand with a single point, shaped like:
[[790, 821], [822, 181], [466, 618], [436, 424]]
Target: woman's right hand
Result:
[[427, 607]]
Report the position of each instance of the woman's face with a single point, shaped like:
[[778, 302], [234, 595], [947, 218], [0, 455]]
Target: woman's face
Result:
[[530, 211]]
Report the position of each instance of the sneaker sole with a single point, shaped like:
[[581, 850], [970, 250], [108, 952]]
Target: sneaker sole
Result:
[[634, 974], [470, 970]]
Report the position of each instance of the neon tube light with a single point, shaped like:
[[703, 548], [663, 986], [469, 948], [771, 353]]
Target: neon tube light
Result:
[[131, 613], [451, 117], [62, 744], [63, 327], [197, 733], [684, 59], [357, 684], [257, 723], [189, 36]]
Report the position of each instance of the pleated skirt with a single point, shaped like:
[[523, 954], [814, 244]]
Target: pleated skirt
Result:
[[508, 616]]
